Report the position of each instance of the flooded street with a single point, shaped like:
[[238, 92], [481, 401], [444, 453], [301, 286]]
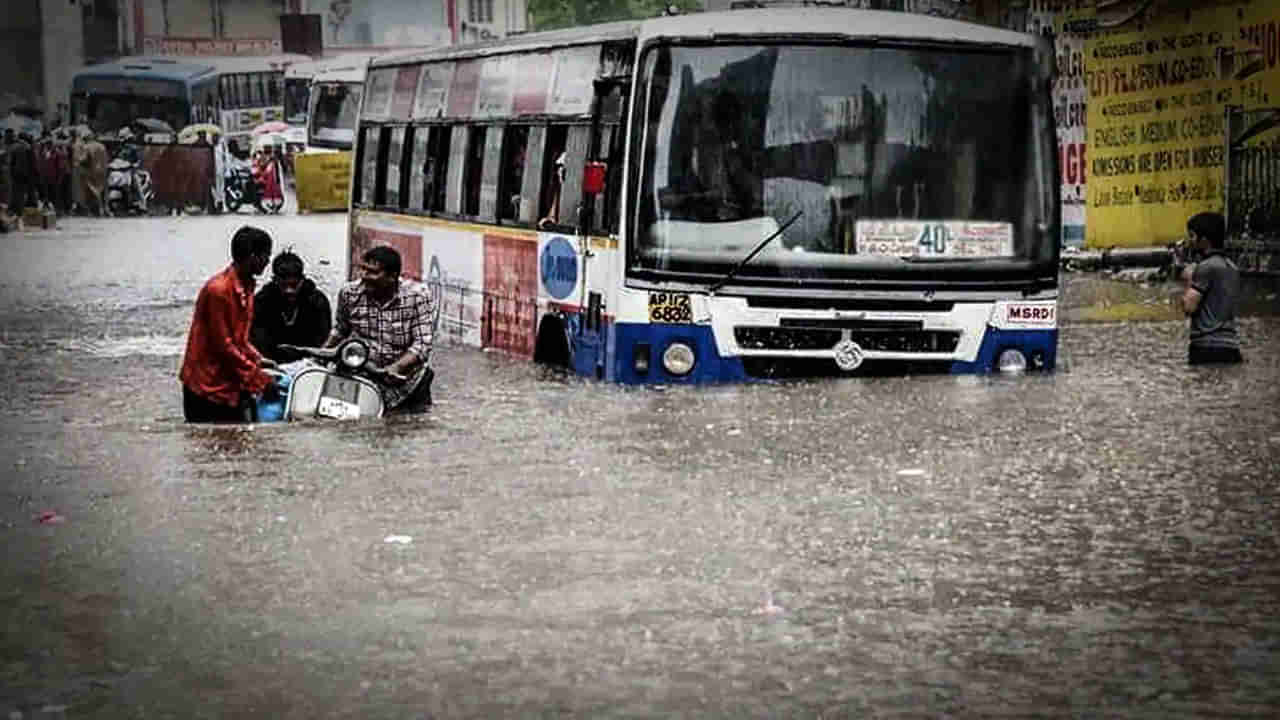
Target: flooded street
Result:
[[1102, 542]]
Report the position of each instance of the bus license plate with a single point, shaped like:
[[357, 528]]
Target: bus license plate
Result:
[[338, 409]]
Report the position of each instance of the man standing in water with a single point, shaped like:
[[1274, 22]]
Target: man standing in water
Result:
[[394, 316], [221, 368], [1212, 294]]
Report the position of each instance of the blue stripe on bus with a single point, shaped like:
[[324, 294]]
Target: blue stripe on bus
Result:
[[610, 354], [708, 366], [996, 341]]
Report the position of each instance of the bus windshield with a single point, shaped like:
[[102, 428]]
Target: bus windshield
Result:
[[108, 113], [333, 113], [295, 100], [885, 156]]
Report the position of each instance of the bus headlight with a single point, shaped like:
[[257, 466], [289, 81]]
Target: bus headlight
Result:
[[1011, 361], [678, 359]]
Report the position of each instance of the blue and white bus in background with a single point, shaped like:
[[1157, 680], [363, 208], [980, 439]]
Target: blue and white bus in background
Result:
[[723, 197], [236, 93]]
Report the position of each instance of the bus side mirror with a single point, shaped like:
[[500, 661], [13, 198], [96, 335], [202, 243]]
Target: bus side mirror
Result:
[[593, 177]]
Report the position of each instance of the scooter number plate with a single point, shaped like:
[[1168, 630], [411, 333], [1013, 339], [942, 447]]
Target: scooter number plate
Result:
[[338, 409]]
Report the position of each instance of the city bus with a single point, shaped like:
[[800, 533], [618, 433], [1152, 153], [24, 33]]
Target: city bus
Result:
[[323, 170], [236, 93], [334, 103], [723, 197]]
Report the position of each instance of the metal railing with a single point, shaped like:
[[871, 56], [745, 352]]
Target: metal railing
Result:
[[1252, 180]]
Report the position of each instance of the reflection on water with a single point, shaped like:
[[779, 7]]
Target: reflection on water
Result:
[[1098, 542]]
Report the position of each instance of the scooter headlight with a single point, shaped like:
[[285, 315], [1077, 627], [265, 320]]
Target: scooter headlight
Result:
[[354, 354]]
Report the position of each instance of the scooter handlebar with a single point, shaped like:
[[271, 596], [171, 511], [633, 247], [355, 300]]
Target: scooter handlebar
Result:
[[311, 352]]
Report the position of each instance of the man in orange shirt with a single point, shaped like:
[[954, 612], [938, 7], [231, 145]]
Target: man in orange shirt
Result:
[[221, 368]]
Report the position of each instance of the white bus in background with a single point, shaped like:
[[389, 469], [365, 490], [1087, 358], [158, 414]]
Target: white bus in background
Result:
[[323, 170], [251, 91], [334, 103], [297, 100]]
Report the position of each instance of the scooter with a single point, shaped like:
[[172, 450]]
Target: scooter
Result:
[[129, 187], [240, 187], [339, 386]]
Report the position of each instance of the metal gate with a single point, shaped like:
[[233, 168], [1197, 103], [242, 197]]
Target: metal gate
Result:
[[1253, 187]]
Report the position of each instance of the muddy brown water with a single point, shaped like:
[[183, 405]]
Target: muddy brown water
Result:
[[1098, 542]]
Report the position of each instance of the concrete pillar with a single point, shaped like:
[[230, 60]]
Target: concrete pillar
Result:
[[61, 51]]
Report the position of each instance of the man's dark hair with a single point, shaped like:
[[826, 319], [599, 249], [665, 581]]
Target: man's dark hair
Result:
[[287, 264], [1210, 226], [249, 241], [386, 257]]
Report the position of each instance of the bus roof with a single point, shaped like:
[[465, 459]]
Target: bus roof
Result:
[[336, 63], [257, 63], [177, 67], [815, 23], [159, 68], [346, 73]]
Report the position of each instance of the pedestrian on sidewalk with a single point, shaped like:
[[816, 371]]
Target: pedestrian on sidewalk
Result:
[[221, 369], [1212, 294]]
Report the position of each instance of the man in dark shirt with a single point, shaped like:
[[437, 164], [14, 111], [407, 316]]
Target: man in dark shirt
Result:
[[1212, 294], [22, 173], [221, 368], [289, 310]]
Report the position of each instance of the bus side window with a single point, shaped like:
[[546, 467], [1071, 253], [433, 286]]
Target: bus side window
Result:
[[419, 163], [531, 205], [380, 180], [552, 174], [391, 182], [515, 143], [428, 166], [575, 154], [457, 168], [368, 164], [491, 172], [606, 206], [275, 88], [437, 180], [473, 167]]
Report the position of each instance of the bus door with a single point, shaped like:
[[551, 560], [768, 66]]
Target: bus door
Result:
[[596, 220]]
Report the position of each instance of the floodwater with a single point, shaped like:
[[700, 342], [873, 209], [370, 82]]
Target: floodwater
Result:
[[1101, 542]]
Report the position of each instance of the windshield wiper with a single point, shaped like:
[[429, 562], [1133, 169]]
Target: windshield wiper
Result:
[[743, 262]]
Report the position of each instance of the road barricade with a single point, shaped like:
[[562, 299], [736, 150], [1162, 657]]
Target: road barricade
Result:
[[322, 180]]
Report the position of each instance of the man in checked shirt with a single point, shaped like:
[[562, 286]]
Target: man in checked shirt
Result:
[[394, 317]]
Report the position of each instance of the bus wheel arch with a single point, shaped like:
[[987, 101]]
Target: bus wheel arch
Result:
[[552, 344]]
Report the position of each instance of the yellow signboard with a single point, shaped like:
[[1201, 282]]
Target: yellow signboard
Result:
[[1157, 115], [323, 180]]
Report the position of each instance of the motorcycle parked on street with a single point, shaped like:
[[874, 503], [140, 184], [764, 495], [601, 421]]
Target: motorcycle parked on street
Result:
[[240, 187], [129, 188]]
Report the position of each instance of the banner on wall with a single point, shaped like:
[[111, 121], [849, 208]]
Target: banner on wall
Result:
[[1157, 100], [1070, 94]]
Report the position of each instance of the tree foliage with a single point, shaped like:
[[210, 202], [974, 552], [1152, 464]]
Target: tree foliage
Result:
[[553, 14]]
